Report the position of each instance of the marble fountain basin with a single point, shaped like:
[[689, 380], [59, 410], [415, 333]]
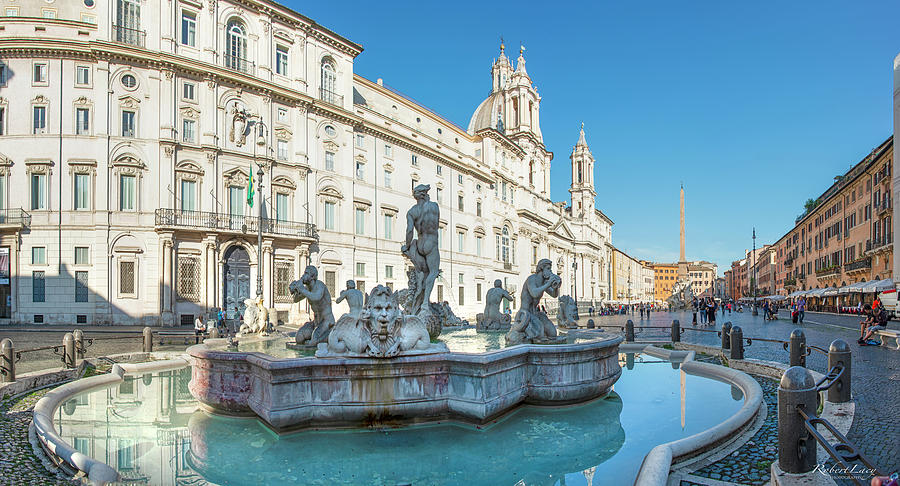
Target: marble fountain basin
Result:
[[301, 392]]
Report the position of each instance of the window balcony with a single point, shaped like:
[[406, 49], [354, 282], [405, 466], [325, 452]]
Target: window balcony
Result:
[[879, 244], [14, 218], [830, 271], [857, 266], [128, 35], [331, 97], [240, 64], [507, 266], [231, 223]]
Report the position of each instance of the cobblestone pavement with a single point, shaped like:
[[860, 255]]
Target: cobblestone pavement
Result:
[[18, 464], [875, 369]]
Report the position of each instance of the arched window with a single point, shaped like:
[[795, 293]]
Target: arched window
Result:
[[328, 88], [504, 244], [531, 172], [236, 47], [579, 172]]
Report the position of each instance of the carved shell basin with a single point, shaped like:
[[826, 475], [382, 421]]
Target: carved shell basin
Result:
[[295, 393]]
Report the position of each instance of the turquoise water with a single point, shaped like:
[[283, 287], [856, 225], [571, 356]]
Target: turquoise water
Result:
[[150, 429]]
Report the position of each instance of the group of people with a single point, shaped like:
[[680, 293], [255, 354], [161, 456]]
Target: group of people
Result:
[[876, 320], [706, 308]]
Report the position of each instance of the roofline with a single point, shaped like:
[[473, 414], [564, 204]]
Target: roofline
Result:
[[353, 45], [406, 99]]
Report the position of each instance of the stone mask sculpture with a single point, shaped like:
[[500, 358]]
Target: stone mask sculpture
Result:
[[379, 331]]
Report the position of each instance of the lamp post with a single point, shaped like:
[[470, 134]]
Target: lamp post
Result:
[[575, 278], [260, 141]]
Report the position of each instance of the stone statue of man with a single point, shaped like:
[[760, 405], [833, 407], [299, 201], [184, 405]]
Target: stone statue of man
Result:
[[309, 287], [493, 299], [531, 324], [423, 252], [353, 297]]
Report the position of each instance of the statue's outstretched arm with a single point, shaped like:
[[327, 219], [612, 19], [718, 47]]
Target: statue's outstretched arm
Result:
[[340, 297]]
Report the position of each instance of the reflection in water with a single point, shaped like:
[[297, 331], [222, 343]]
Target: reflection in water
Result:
[[150, 429], [469, 341]]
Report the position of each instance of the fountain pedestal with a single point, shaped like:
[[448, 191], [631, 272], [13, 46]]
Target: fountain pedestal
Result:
[[353, 392]]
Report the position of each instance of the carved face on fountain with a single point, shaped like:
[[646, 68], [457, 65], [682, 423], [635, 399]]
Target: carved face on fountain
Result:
[[382, 312]]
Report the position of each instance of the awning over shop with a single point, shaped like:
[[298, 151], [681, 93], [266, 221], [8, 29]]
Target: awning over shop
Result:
[[878, 286], [830, 292]]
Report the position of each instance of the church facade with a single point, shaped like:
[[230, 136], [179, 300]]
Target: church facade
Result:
[[139, 160]]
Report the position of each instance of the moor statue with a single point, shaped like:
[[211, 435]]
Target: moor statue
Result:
[[353, 297], [492, 319]]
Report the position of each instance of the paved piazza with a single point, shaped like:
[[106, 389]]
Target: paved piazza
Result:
[[876, 371]]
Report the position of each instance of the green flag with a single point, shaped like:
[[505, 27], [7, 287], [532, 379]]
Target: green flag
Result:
[[250, 190]]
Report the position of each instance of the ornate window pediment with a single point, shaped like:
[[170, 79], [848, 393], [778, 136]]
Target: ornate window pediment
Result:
[[129, 101], [38, 166], [83, 101], [283, 133], [82, 166], [331, 194], [40, 100], [188, 170], [285, 35], [389, 167], [360, 158], [284, 182], [236, 177], [5, 165], [128, 166], [361, 203], [389, 210], [479, 230], [190, 112], [330, 146]]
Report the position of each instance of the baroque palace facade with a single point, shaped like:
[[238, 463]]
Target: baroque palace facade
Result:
[[132, 131]]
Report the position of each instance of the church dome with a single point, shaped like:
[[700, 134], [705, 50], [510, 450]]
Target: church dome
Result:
[[486, 114]]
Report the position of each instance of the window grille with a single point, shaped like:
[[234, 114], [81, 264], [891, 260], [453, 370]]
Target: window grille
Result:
[[189, 279], [81, 286], [126, 278], [282, 281]]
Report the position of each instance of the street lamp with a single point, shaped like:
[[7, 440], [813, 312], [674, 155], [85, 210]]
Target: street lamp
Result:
[[575, 278], [261, 142]]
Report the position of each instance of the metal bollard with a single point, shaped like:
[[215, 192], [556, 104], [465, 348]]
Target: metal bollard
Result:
[[726, 335], [148, 340], [676, 331], [629, 361], [7, 361], [591, 324], [737, 342], [629, 331], [69, 350], [796, 448], [79, 343], [839, 354], [798, 348]]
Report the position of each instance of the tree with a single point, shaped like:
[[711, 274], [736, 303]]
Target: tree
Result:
[[810, 204]]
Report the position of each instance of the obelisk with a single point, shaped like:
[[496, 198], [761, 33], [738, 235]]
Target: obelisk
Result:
[[682, 262]]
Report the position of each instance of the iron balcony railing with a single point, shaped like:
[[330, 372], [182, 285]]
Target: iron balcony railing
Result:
[[128, 35], [16, 217], [880, 242], [239, 64], [177, 218], [828, 271], [507, 266], [331, 97], [861, 264]]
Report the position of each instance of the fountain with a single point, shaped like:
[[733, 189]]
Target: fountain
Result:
[[380, 362]]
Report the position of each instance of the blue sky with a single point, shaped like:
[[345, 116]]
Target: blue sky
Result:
[[755, 106]]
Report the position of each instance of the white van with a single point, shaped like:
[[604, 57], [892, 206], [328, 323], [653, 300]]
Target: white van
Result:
[[888, 299]]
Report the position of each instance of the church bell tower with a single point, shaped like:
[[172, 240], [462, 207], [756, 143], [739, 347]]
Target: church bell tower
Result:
[[582, 188]]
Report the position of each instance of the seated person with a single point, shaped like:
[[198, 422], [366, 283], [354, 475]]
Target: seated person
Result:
[[879, 324], [863, 325]]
